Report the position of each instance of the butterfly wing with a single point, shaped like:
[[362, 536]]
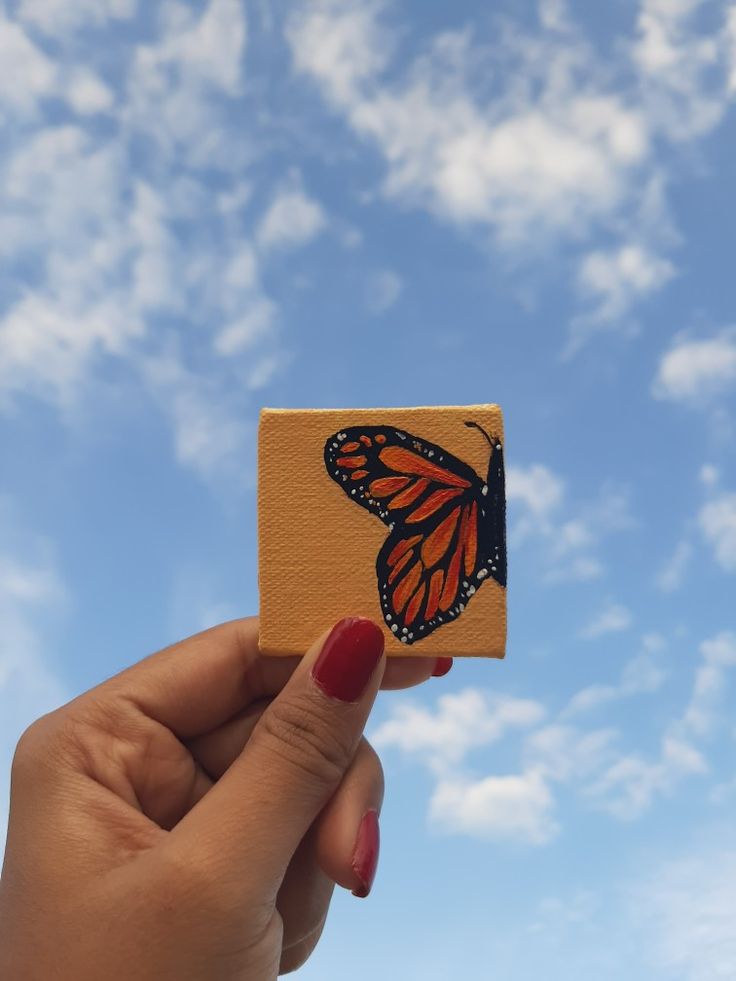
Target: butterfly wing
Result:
[[435, 506], [427, 576], [396, 476]]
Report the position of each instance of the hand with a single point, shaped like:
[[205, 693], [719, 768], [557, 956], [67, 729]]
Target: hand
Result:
[[188, 818]]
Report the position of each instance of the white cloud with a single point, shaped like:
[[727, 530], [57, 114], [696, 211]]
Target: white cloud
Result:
[[561, 752], [292, 219], [614, 281], [522, 165], [516, 808], [87, 94], [210, 436], [27, 73], [695, 370], [207, 50], [612, 619], [629, 787], [172, 84], [463, 721], [384, 289], [107, 241], [340, 45], [708, 475], [686, 908], [717, 521], [557, 756], [30, 592], [255, 324], [642, 674], [704, 711], [48, 346], [683, 71], [536, 496], [56, 17], [673, 571], [540, 490], [567, 145]]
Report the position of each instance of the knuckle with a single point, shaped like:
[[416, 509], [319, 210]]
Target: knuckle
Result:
[[307, 737], [373, 764], [35, 745]]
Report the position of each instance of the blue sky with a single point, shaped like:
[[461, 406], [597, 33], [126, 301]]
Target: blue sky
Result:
[[209, 207]]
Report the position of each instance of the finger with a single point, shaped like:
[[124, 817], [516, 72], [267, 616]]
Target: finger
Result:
[[194, 685], [216, 750], [337, 827], [201, 682], [345, 834], [405, 672], [304, 896], [334, 850], [293, 957], [292, 764]]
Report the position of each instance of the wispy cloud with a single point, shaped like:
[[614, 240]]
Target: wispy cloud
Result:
[[461, 722], [612, 619], [384, 289], [31, 591], [717, 520], [695, 370], [567, 535], [672, 572], [560, 151], [555, 753], [685, 908], [642, 674], [613, 283], [55, 17], [131, 218], [292, 219]]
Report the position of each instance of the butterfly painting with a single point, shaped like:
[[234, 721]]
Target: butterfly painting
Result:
[[447, 527]]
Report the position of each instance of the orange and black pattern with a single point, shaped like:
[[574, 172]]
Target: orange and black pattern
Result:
[[447, 526]]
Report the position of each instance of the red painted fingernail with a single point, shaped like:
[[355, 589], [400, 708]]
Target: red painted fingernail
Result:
[[442, 666], [349, 658], [365, 856]]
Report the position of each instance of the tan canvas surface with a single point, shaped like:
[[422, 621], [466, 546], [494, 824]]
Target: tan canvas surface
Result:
[[318, 549]]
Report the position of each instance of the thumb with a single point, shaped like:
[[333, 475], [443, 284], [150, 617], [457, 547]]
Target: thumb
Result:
[[248, 826]]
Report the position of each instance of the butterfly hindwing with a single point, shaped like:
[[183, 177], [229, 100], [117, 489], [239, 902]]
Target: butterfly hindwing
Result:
[[427, 576]]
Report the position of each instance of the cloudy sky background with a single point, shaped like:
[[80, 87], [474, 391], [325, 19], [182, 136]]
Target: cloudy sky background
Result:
[[211, 206]]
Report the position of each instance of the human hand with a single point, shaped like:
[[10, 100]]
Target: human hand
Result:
[[188, 818]]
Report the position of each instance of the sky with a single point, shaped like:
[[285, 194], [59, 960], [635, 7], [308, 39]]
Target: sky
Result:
[[209, 207]]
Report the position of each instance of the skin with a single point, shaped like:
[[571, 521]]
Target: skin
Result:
[[188, 818]]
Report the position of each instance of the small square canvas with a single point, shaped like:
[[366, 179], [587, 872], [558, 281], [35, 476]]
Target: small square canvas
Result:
[[393, 514]]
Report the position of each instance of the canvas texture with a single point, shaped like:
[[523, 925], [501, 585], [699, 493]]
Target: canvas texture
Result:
[[318, 549]]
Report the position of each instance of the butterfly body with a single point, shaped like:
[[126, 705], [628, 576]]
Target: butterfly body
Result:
[[446, 525]]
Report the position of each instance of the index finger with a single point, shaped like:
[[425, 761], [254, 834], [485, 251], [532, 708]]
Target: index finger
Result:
[[196, 685]]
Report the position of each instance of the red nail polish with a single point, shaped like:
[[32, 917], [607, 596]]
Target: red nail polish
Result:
[[349, 658], [365, 856], [442, 666]]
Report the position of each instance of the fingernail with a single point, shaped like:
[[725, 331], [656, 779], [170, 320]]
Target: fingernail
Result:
[[442, 666], [365, 856], [349, 658]]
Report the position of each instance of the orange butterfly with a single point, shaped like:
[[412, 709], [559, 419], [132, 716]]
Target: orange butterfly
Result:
[[447, 526]]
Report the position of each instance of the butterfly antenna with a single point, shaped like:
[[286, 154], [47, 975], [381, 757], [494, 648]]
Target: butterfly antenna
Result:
[[491, 441]]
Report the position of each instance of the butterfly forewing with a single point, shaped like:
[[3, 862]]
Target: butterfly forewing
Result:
[[397, 476]]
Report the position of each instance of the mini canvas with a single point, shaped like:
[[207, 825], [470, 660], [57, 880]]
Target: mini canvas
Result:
[[393, 514]]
